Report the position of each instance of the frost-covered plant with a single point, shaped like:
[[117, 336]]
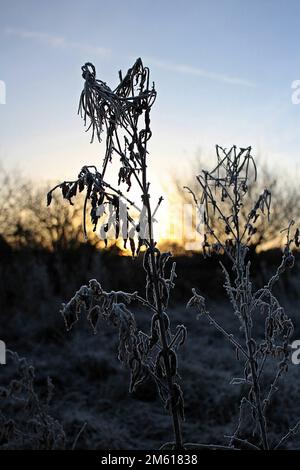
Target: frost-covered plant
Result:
[[123, 116], [224, 191], [25, 422]]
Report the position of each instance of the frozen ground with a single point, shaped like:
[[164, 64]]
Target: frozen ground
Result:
[[92, 387]]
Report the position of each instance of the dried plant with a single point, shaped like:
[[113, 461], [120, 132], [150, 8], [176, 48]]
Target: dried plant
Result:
[[25, 422], [224, 191], [285, 201], [123, 116]]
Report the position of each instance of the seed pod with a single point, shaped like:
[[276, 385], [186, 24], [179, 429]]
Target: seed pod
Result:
[[166, 320], [147, 262], [159, 368], [173, 363], [154, 320], [163, 261], [93, 317], [178, 396], [136, 367], [183, 334], [153, 338], [252, 346]]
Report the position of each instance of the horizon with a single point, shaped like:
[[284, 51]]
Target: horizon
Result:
[[238, 89]]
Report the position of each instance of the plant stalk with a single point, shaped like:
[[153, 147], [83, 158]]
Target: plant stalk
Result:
[[164, 342]]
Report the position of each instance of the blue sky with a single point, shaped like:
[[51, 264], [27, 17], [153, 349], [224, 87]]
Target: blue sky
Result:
[[223, 70]]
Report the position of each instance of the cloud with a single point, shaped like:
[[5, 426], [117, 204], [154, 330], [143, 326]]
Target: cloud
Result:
[[61, 42], [56, 41], [197, 72]]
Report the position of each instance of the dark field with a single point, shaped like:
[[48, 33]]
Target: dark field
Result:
[[91, 386]]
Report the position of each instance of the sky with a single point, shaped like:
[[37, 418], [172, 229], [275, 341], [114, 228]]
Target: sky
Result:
[[223, 70]]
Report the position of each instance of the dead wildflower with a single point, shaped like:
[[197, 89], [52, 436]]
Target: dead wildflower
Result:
[[123, 116], [198, 302], [223, 193], [32, 427]]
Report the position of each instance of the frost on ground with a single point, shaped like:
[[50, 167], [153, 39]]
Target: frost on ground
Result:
[[90, 386]]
